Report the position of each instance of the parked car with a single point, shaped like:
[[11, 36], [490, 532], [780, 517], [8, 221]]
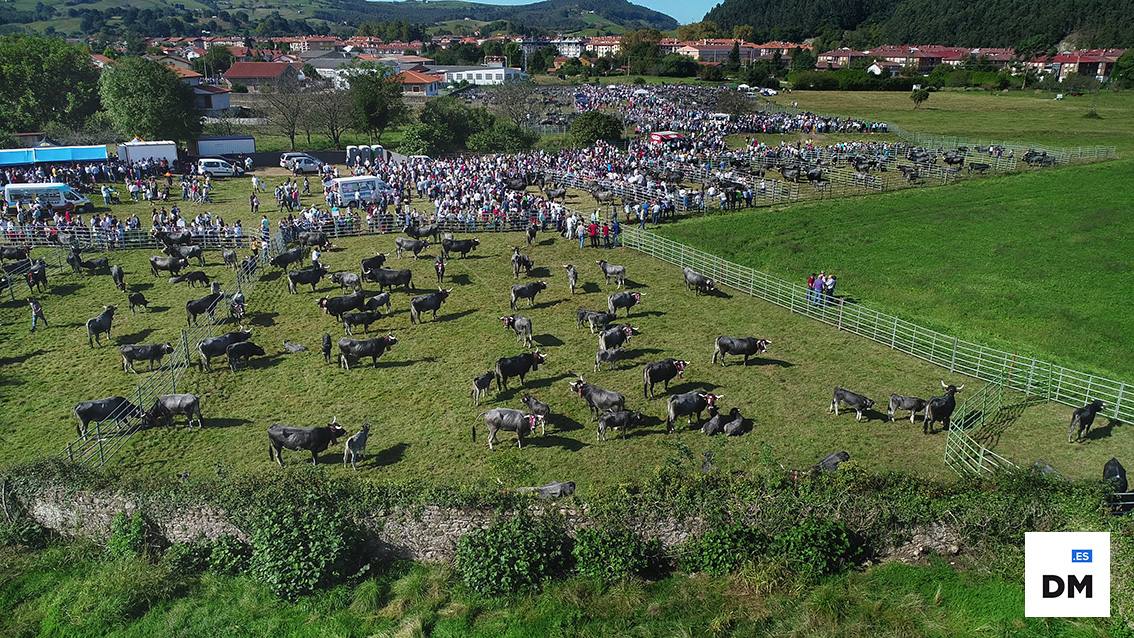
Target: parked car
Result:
[[285, 159], [216, 167], [306, 164]]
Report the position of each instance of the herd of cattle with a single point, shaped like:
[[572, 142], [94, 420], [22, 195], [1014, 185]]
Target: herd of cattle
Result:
[[610, 410]]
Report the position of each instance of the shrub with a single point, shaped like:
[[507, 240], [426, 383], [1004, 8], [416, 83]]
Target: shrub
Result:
[[593, 126], [22, 531], [816, 546], [512, 555], [228, 555], [721, 550], [127, 536], [610, 554], [186, 558]]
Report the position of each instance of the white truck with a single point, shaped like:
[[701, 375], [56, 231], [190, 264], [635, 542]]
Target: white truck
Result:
[[226, 145], [137, 150]]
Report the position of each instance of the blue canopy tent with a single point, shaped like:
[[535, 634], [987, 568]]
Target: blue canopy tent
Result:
[[45, 154]]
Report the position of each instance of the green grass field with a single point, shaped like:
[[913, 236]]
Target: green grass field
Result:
[[1036, 262], [73, 591]]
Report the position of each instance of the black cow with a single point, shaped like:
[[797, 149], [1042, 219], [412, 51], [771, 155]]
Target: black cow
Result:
[[857, 402], [241, 351], [173, 265], [696, 281], [166, 406], [508, 420], [216, 346], [615, 336], [315, 440], [377, 301], [404, 244], [481, 385], [137, 299], [309, 276], [372, 263], [205, 305], [462, 246], [661, 372], [598, 399], [608, 357], [192, 278], [336, 306], [618, 420], [527, 291], [597, 320], [623, 299], [100, 325], [715, 423], [385, 277], [517, 366], [288, 257], [531, 234], [119, 277], [346, 280], [522, 326], [17, 253], [427, 303], [419, 232], [899, 402], [352, 350], [1115, 474], [173, 237], [941, 408], [187, 253], [313, 238], [439, 269], [150, 353], [979, 168], [362, 318], [1081, 420], [572, 277], [37, 276], [735, 425], [688, 404], [102, 264], [610, 271], [521, 262], [115, 409], [746, 346], [326, 348]]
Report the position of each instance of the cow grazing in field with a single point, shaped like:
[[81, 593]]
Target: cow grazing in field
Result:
[[385, 277], [115, 409], [314, 238], [481, 385], [609, 357], [611, 271], [352, 350], [698, 282], [192, 278], [216, 346], [439, 270], [346, 280], [187, 253], [538, 408], [598, 399], [172, 265], [597, 320], [623, 299], [520, 262], [462, 246], [150, 353], [735, 424], [517, 366], [205, 305], [100, 325], [362, 318], [427, 303], [615, 336], [527, 291], [941, 408], [288, 257], [372, 263], [314, 440], [522, 326], [572, 277], [620, 420], [688, 404], [379, 300], [167, 406], [663, 372], [37, 276], [355, 447], [406, 245], [326, 348], [899, 402], [309, 276], [853, 400], [1082, 419], [336, 306], [136, 299], [745, 346], [1115, 474], [508, 420], [119, 277], [241, 352], [230, 258]]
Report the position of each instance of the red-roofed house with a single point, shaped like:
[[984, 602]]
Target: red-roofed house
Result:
[[605, 45], [418, 84], [101, 61], [187, 76], [256, 75], [1094, 63], [718, 50]]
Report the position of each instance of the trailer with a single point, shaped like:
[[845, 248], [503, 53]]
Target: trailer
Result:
[[137, 150], [219, 145]]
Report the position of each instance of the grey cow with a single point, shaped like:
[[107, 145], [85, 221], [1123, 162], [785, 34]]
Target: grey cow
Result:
[[166, 406], [522, 326], [510, 420], [100, 325], [611, 271]]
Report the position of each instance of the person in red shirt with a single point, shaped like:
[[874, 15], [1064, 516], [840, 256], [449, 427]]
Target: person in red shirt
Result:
[[606, 234], [592, 231]]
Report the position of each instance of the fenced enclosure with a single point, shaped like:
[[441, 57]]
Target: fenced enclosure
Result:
[[963, 454], [1031, 376]]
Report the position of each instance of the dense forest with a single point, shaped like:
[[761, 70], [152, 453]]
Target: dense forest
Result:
[[1092, 23]]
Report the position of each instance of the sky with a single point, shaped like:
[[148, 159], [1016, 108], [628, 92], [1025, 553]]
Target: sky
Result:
[[684, 11]]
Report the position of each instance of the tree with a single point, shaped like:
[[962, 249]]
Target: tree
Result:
[[1124, 70], [675, 65], [376, 100], [593, 126], [734, 103], [45, 80], [803, 60], [502, 137], [451, 122], [217, 60], [698, 30], [744, 32], [332, 112], [285, 107], [734, 56], [145, 98], [640, 49], [919, 96], [515, 100]]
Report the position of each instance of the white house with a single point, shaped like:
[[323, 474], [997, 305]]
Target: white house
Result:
[[480, 75]]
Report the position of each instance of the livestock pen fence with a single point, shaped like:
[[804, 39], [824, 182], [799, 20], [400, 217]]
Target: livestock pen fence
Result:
[[106, 438], [1012, 371]]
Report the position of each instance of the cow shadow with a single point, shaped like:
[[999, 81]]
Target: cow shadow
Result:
[[153, 308], [764, 361], [540, 272], [552, 440], [66, 289], [453, 316], [650, 426], [271, 276], [550, 303], [388, 456], [690, 386], [718, 293], [21, 358], [1103, 431], [259, 363], [461, 279], [563, 423], [134, 338], [547, 340], [628, 355], [590, 286], [648, 313], [546, 242], [225, 423], [263, 319], [139, 287]]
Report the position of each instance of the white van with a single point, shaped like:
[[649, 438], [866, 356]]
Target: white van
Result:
[[364, 189], [58, 196], [218, 168]]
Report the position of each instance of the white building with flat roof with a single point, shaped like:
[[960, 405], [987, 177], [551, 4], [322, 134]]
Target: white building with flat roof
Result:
[[480, 74]]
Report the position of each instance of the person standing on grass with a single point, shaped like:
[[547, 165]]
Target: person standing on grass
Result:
[[581, 234], [265, 229], [829, 288], [810, 286], [616, 232], [315, 255], [818, 287], [36, 313]]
